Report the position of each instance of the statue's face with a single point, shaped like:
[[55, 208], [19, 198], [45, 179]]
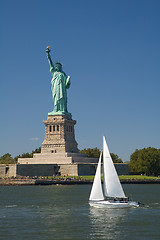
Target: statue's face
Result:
[[58, 67]]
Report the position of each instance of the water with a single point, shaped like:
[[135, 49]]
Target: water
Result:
[[63, 212]]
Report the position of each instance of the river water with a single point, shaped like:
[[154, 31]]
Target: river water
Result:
[[63, 212]]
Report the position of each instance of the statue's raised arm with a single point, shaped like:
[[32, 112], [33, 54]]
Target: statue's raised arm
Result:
[[49, 57]]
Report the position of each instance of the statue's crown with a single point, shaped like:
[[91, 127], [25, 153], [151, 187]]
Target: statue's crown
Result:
[[58, 63]]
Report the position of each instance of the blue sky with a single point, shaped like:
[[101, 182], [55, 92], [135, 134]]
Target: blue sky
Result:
[[111, 50]]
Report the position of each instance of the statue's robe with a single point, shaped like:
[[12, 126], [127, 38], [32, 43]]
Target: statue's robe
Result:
[[59, 83]]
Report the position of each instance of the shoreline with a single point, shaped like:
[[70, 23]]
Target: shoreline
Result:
[[36, 182]]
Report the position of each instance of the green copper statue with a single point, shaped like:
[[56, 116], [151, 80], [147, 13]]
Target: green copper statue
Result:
[[59, 85]]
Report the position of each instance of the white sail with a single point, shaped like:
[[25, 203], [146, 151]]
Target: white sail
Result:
[[111, 184], [96, 192]]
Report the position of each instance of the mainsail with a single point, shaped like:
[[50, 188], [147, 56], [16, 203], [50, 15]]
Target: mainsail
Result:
[[111, 184], [96, 192]]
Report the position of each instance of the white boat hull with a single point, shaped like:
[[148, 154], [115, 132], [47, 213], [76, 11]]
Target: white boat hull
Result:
[[112, 204]]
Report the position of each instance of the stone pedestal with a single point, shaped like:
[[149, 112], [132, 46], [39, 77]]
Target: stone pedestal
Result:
[[59, 135], [59, 151]]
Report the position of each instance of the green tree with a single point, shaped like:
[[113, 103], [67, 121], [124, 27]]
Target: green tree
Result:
[[145, 161], [95, 152], [28, 155], [7, 159], [37, 150], [115, 158], [91, 152]]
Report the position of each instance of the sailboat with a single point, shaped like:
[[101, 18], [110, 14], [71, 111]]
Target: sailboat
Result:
[[111, 195]]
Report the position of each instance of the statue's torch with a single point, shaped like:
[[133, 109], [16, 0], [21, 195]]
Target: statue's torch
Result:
[[48, 49]]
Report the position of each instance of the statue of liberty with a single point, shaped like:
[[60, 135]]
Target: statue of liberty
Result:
[[59, 84]]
